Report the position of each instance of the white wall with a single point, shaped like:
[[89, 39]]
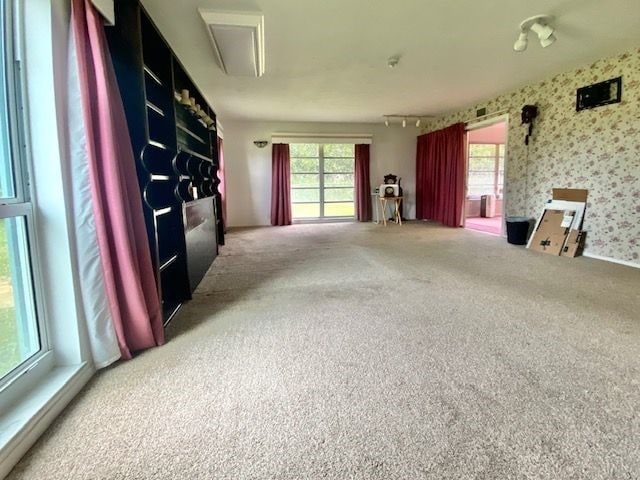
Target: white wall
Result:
[[248, 168]]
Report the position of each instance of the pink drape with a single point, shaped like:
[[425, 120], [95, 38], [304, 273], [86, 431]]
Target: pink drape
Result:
[[363, 183], [440, 175], [122, 239], [222, 188], [280, 185]]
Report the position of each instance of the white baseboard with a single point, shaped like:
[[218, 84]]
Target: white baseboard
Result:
[[612, 260], [48, 401]]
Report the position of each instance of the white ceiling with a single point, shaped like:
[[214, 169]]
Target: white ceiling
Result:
[[326, 59]]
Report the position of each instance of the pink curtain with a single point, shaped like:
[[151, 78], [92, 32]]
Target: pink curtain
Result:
[[122, 238], [363, 184], [440, 175], [222, 189], [280, 185]]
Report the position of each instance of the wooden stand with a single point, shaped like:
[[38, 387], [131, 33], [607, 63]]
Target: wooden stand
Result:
[[397, 202]]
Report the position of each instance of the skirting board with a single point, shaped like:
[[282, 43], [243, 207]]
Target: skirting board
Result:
[[18, 446], [612, 260]]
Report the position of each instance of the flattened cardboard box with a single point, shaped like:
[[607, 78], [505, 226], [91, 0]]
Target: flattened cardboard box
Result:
[[574, 244], [551, 235], [570, 194]]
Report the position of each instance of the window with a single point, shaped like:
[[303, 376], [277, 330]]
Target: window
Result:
[[486, 169], [322, 180], [21, 335]]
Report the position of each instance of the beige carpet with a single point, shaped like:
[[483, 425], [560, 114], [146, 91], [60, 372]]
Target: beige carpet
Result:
[[354, 351]]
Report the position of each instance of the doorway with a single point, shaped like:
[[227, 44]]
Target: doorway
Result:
[[486, 157]]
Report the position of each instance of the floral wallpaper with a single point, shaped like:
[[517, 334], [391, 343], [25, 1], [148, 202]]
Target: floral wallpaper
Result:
[[597, 149]]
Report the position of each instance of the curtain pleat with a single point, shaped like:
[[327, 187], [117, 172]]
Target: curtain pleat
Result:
[[280, 185], [362, 183], [440, 175], [222, 188], [125, 257]]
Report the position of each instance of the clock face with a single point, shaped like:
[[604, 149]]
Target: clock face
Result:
[[389, 191]]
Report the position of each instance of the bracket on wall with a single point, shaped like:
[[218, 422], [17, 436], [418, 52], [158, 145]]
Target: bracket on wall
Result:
[[599, 94]]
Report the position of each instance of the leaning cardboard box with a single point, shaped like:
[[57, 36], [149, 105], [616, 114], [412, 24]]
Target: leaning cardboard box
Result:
[[558, 229]]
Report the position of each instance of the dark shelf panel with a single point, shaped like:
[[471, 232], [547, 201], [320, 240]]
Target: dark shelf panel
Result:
[[153, 76], [160, 127], [169, 310], [191, 134], [168, 263]]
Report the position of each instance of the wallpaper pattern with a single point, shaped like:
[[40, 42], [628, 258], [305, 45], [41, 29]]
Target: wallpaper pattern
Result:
[[597, 149]]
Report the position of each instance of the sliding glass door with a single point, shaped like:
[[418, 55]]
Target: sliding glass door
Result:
[[322, 181]]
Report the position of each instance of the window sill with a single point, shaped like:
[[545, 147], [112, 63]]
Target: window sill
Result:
[[21, 425]]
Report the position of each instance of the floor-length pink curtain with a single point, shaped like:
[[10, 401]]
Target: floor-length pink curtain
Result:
[[363, 183], [222, 188], [120, 227], [440, 175], [280, 185]]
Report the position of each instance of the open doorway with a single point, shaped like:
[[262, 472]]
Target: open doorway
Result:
[[486, 154]]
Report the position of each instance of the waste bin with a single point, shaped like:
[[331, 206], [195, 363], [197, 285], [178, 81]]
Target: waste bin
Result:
[[518, 230]]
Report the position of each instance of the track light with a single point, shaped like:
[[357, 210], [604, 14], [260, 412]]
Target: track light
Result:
[[404, 120], [521, 43], [538, 24]]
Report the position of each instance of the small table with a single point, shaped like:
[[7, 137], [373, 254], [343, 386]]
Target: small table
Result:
[[397, 201]]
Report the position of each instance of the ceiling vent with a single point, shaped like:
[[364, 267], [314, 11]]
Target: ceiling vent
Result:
[[238, 41]]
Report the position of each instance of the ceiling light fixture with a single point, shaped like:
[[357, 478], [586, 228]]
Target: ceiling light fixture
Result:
[[403, 119], [392, 62], [538, 24]]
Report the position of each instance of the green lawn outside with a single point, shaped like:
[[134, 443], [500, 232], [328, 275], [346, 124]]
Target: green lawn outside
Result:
[[312, 210], [9, 352]]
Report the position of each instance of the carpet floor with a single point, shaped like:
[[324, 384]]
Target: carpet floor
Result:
[[355, 351]]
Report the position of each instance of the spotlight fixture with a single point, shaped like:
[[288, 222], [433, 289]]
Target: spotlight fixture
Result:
[[538, 24], [548, 41], [386, 122], [418, 123], [404, 123], [521, 43]]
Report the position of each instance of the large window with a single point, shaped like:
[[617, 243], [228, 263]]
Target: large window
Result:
[[21, 336], [486, 169], [322, 181]]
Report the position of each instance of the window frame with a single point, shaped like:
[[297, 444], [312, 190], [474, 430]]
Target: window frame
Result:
[[496, 168], [321, 186], [21, 205]]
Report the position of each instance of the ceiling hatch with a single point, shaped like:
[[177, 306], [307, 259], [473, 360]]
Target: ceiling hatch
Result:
[[238, 41]]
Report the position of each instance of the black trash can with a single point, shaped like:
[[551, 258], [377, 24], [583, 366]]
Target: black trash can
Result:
[[518, 230]]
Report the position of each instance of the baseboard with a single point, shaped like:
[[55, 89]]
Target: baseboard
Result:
[[71, 381], [612, 260]]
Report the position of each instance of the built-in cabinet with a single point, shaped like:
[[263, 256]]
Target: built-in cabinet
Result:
[[176, 155]]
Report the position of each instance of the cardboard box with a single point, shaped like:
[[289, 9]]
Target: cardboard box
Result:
[[574, 245], [570, 194], [552, 231]]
